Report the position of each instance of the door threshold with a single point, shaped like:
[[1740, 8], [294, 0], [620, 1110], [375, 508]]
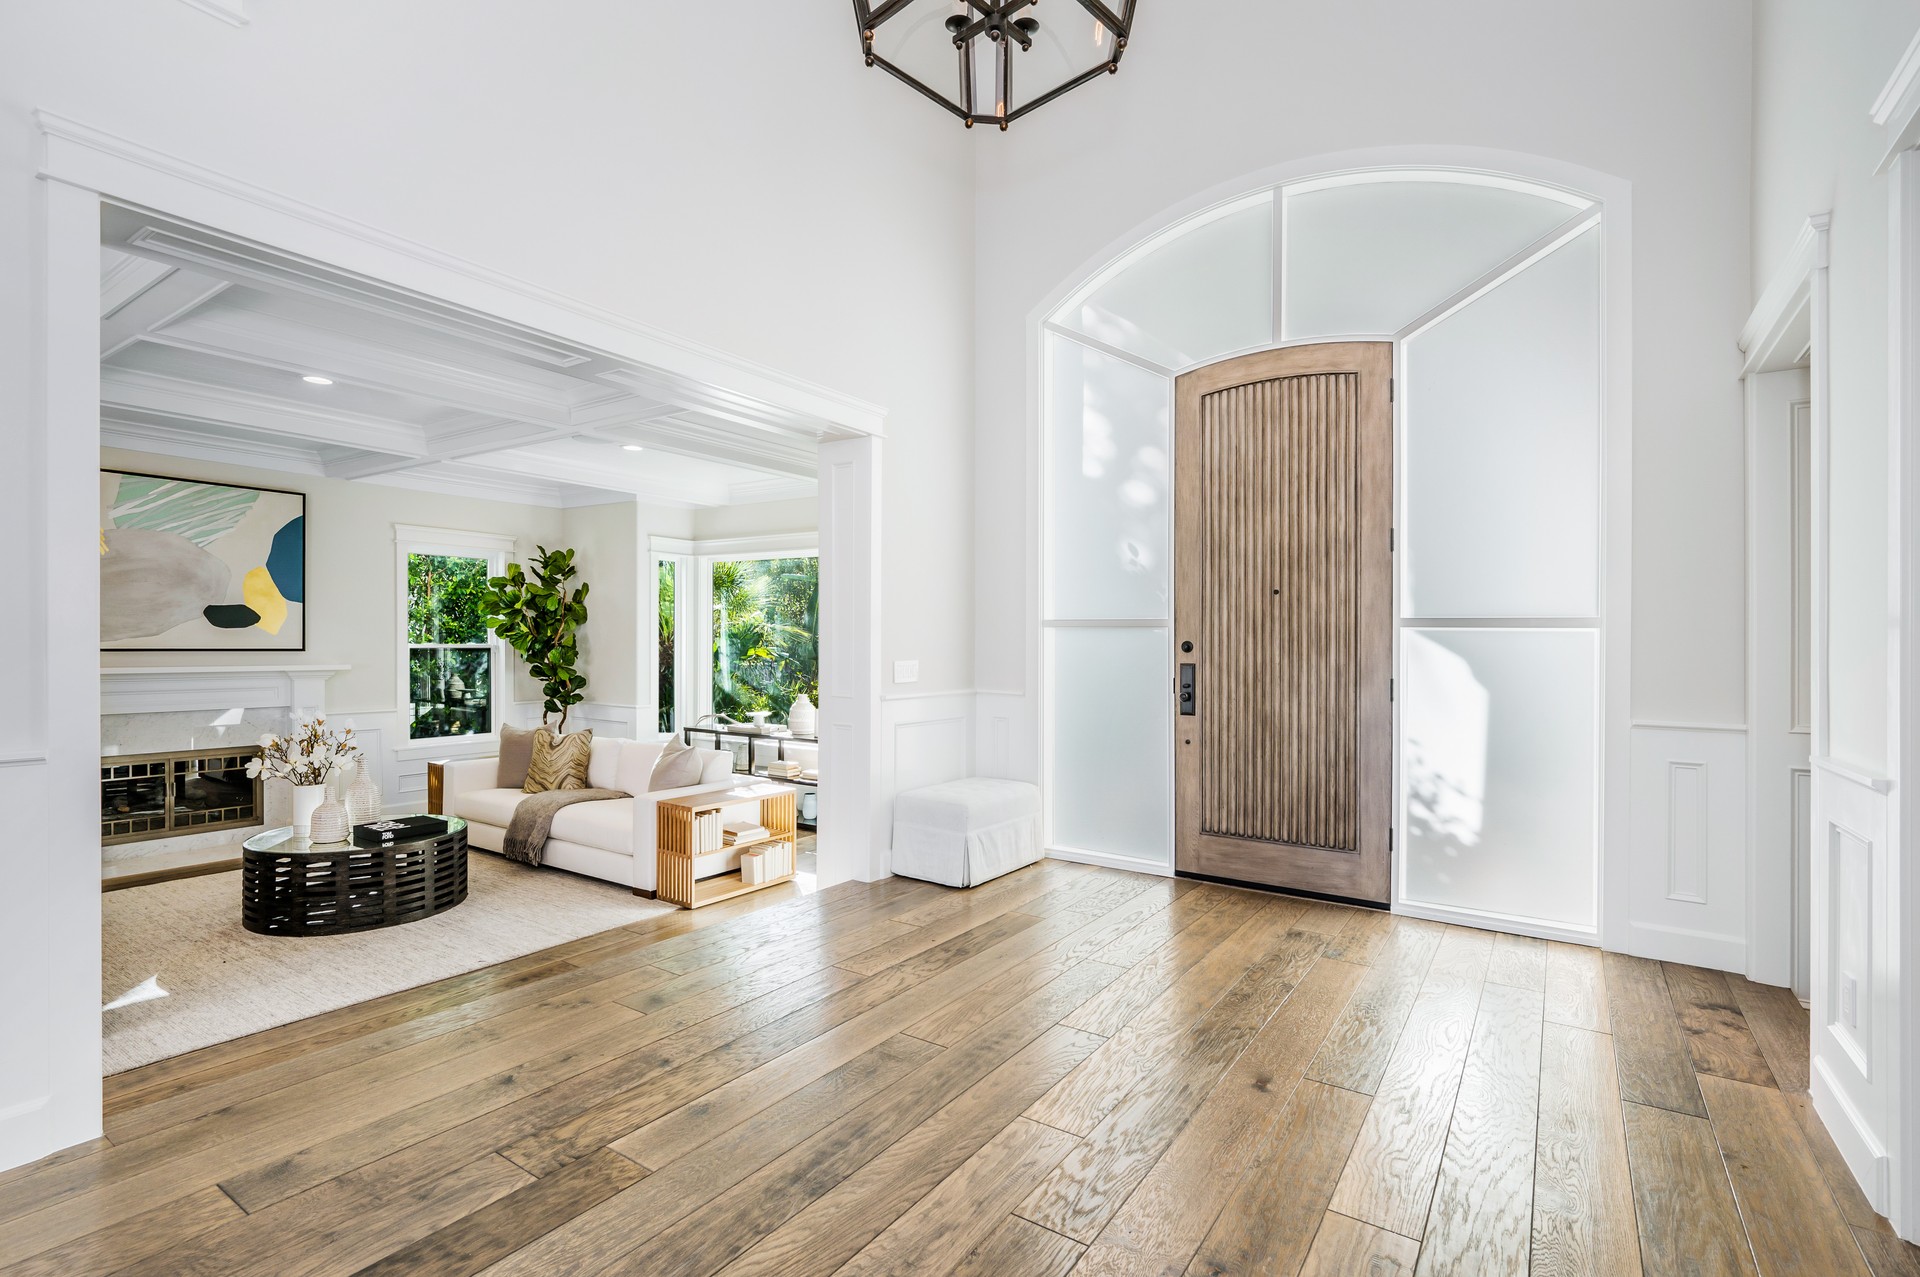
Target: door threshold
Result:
[[1295, 892]]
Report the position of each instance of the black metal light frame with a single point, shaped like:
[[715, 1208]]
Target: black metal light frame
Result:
[[999, 21]]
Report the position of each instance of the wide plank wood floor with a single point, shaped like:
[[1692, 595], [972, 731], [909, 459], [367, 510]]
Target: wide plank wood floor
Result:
[[1068, 1070]]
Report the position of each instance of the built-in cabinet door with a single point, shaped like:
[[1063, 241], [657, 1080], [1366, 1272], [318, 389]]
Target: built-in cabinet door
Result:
[[1283, 619]]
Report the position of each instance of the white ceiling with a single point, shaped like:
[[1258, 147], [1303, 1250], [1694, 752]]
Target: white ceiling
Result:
[[205, 339]]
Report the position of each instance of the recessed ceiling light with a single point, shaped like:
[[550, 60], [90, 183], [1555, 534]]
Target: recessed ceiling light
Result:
[[317, 381], [632, 447]]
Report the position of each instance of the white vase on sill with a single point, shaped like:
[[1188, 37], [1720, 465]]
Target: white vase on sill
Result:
[[306, 798]]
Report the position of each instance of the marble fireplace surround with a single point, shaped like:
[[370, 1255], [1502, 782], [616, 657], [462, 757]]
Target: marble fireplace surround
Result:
[[150, 709]]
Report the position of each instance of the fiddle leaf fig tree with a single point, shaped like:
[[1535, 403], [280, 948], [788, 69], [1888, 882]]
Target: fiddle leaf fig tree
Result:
[[539, 615]]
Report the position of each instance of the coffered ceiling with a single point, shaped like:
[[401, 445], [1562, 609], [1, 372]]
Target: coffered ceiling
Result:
[[208, 345]]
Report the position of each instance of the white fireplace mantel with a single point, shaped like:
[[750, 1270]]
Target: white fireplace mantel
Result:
[[163, 689]]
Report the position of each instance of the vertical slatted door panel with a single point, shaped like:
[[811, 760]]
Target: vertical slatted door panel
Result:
[[1283, 512]]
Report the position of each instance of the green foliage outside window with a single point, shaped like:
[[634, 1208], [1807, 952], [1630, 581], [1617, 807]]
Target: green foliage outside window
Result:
[[444, 599], [766, 634], [449, 662], [666, 606]]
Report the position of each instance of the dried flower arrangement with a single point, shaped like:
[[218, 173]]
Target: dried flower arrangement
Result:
[[306, 757]]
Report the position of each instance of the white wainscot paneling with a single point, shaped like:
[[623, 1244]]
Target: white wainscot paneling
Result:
[[1852, 981], [924, 740], [1006, 735], [1688, 847]]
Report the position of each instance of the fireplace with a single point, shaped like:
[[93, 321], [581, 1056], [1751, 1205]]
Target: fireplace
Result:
[[186, 792]]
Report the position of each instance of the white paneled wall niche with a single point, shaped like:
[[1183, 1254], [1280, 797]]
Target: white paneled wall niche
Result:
[[1492, 290]]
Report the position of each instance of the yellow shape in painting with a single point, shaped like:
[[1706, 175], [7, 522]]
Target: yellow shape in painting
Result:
[[263, 596], [103, 541]]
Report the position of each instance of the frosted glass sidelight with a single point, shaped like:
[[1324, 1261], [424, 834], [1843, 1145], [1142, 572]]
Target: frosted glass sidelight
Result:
[[1500, 767], [1201, 291], [1502, 438], [1108, 500], [1108, 722], [1368, 258]]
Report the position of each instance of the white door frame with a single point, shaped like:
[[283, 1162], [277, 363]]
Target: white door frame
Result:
[[82, 166], [1788, 328]]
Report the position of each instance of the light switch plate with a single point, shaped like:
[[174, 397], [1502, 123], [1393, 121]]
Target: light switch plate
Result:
[[906, 671]]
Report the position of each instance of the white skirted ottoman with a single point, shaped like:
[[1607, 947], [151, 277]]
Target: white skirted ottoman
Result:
[[966, 832]]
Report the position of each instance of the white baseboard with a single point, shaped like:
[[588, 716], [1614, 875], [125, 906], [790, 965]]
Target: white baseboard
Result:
[[1132, 864], [1852, 1135], [1495, 922], [1679, 944]]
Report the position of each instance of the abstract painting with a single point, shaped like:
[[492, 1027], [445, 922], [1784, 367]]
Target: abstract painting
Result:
[[187, 566]]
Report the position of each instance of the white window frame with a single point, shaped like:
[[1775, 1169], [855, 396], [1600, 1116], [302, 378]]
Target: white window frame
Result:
[[693, 597], [497, 550]]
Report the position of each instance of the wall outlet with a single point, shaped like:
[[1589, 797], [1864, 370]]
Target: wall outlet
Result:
[[1849, 1001], [906, 671]]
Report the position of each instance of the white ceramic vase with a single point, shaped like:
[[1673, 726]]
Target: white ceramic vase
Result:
[[364, 799], [306, 799], [803, 719]]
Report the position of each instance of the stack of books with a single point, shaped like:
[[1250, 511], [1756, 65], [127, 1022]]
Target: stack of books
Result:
[[745, 831], [784, 769], [706, 832]]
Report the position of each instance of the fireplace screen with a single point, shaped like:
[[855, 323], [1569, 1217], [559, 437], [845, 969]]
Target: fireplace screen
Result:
[[155, 795]]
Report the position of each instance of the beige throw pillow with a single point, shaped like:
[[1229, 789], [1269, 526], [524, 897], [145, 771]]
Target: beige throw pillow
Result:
[[516, 755], [678, 766], [559, 762]]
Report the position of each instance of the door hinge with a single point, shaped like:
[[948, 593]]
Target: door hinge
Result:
[[1389, 390], [1389, 837], [1392, 690], [1393, 537]]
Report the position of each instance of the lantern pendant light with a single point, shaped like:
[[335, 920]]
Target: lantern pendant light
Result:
[[997, 59]]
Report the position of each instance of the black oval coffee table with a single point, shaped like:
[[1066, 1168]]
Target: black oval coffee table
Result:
[[292, 887]]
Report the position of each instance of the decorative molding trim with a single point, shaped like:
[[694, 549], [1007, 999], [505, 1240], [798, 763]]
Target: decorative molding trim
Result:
[[1496, 922], [74, 153], [1652, 726], [760, 490], [126, 277], [1687, 848], [1862, 1151], [23, 760], [771, 545], [1896, 111], [135, 689], [231, 12], [1105, 860], [120, 429], [415, 536], [1787, 294], [1693, 946], [476, 486], [1854, 775]]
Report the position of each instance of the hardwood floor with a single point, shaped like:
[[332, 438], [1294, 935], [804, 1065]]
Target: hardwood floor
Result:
[[1068, 1070]]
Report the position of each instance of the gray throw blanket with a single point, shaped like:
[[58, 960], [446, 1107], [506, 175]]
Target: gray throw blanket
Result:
[[532, 823]]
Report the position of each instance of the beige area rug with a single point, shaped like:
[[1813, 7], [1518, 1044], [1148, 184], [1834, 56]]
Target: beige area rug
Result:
[[221, 981]]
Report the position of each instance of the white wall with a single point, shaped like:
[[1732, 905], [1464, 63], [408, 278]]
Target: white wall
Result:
[[762, 518], [1817, 69], [733, 175], [1586, 84]]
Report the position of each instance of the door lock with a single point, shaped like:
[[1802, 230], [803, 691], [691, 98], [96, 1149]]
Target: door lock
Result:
[[1186, 690]]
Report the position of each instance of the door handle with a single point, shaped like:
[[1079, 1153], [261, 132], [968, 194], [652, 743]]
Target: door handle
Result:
[[1186, 690]]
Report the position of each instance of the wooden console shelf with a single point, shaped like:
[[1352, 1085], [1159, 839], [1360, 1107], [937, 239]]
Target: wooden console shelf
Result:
[[674, 841]]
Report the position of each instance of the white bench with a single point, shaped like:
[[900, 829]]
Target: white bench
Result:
[[966, 832]]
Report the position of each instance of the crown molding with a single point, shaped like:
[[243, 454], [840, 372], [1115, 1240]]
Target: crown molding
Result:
[[1896, 112], [124, 277], [771, 490], [1787, 292]]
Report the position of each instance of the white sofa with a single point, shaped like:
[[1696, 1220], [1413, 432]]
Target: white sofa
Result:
[[611, 838]]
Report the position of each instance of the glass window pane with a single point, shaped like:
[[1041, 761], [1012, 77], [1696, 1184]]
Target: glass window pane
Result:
[[1502, 403], [1108, 498], [452, 691], [1203, 290], [443, 599], [665, 646], [766, 634], [1369, 258], [1109, 783], [1500, 769]]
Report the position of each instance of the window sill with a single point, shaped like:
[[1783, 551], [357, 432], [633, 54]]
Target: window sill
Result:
[[451, 746]]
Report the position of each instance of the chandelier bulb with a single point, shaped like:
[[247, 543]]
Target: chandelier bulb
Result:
[[869, 59]]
